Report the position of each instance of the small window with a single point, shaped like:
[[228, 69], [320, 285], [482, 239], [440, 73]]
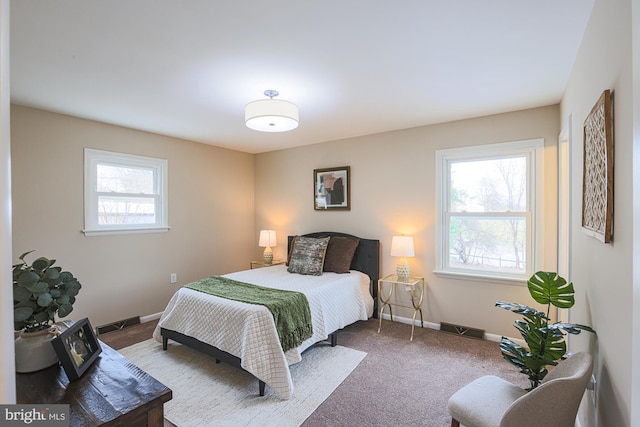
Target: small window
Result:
[[124, 193], [488, 225]]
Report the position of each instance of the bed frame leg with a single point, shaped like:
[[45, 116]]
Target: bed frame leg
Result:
[[165, 340], [334, 339], [261, 387]]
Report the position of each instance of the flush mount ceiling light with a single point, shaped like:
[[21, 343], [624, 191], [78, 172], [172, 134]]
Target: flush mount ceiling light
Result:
[[271, 115]]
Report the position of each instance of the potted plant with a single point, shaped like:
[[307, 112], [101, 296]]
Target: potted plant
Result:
[[545, 341], [40, 292]]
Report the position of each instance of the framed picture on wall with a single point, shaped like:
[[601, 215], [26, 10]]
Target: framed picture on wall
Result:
[[332, 189], [597, 178]]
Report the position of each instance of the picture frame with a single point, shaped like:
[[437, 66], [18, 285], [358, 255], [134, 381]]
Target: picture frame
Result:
[[77, 348], [597, 174], [332, 188]]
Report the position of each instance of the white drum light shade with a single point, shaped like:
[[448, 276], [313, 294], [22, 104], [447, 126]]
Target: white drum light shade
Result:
[[271, 115]]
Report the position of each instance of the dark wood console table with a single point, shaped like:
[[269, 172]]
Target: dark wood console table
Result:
[[112, 392]]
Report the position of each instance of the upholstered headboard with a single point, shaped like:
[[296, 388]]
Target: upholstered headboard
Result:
[[366, 259]]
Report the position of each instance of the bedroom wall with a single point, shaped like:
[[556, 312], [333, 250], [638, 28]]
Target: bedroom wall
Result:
[[393, 192], [603, 273], [211, 213]]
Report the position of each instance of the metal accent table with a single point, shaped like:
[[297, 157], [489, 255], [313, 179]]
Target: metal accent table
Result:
[[414, 285]]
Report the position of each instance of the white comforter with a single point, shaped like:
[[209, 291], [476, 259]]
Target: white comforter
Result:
[[248, 331]]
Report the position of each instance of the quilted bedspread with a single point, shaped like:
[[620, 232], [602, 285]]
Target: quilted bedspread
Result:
[[248, 331]]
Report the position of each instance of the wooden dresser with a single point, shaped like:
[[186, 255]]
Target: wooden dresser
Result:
[[112, 392]]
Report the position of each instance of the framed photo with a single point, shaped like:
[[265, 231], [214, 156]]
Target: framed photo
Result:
[[597, 178], [332, 189], [77, 348]]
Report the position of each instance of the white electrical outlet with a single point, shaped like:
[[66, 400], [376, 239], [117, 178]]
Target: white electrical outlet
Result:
[[174, 277]]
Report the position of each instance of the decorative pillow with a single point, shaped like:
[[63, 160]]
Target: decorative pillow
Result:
[[293, 244], [340, 251], [308, 255]]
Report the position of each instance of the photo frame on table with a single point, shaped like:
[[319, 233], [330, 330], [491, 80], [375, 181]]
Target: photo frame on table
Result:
[[77, 348], [597, 178], [332, 189]]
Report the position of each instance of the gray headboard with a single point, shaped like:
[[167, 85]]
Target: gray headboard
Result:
[[366, 259]]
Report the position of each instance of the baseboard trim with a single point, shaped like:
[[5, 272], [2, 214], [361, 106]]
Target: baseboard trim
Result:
[[436, 326], [150, 317]]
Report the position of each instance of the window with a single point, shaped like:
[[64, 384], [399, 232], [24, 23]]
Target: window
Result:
[[489, 216], [124, 193]]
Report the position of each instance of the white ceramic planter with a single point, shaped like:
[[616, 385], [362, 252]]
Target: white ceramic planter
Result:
[[34, 351]]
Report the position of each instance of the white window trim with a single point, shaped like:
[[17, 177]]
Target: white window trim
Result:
[[91, 159], [531, 147]]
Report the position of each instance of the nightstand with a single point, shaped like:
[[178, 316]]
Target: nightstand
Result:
[[414, 285], [261, 263]]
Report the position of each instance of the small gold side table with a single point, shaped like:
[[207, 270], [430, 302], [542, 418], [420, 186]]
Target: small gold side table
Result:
[[415, 285]]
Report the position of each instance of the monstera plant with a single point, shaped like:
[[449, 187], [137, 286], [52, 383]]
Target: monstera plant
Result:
[[40, 291], [545, 341]]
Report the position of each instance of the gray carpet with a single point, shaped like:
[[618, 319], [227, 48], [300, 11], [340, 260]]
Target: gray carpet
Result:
[[407, 383]]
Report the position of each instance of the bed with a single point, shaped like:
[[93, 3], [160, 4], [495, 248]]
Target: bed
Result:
[[245, 335]]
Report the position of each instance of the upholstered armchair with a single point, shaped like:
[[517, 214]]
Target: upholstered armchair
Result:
[[490, 401]]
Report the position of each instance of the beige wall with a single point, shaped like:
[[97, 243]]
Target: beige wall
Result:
[[603, 273], [211, 213], [393, 192]]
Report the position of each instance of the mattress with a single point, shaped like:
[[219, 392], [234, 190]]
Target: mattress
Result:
[[248, 331]]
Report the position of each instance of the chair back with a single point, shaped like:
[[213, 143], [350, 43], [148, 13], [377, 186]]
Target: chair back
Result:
[[556, 400]]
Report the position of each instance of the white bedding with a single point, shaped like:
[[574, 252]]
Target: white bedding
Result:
[[248, 331]]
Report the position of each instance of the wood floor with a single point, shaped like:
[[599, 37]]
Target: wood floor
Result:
[[129, 336]]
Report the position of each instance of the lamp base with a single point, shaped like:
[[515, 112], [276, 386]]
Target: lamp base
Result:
[[268, 256], [403, 271]]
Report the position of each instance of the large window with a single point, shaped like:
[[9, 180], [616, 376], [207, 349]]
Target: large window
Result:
[[124, 193], [489, 210]]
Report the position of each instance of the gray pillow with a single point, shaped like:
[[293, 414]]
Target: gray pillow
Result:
[[308, 255]]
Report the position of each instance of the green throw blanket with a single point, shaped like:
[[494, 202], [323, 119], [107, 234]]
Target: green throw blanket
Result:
[[290, 309]]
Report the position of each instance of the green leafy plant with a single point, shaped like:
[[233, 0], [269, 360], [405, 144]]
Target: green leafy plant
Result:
[[545, 341], [40, 291]]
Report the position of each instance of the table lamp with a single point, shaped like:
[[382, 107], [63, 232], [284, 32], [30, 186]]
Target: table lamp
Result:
[[267, 240], [402, 246]]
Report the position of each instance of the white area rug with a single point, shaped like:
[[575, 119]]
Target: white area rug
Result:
[[206, 393]]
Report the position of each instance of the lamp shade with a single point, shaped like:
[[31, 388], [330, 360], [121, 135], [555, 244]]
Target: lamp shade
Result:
[[402, 246], [267, 238], [271, 115]]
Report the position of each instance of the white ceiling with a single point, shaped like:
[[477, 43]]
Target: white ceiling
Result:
[[186, 68]]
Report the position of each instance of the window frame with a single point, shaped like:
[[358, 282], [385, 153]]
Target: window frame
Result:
[[533, 150], [159, 167]]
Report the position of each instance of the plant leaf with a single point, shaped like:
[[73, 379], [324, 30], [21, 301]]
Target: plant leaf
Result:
[[571, 328], [64, 310], [45, 300], [20, 314], [550, 288], [27, 278], [21, 294], [40, 264], [38, 288]]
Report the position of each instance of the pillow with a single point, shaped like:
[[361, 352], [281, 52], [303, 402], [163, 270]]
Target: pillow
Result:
[[308, 255], [340, 251], [293, 244]]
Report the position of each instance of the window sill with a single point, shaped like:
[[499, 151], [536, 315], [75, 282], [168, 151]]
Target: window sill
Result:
[[498, 280], [116, 231]]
